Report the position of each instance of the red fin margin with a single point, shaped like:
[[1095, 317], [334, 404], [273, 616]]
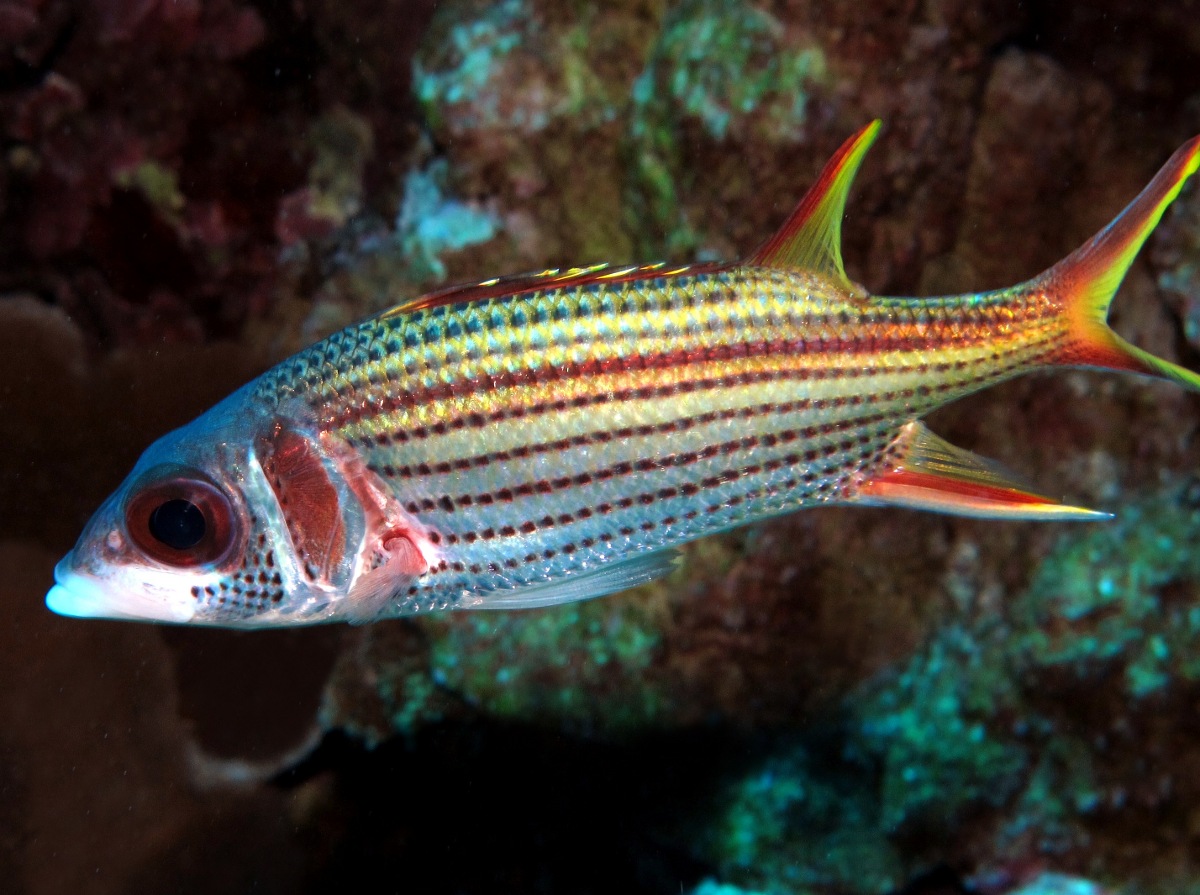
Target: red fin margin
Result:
[[928, 473]]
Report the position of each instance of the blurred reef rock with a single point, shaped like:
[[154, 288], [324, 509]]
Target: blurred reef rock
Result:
[[841, 702]]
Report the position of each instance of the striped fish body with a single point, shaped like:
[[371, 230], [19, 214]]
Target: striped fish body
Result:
[[553, 437], [567, 427]]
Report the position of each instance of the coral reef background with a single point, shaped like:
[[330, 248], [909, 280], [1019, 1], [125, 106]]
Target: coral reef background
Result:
[[843, 702]]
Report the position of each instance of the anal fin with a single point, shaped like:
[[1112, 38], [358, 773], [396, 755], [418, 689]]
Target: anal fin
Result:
[[929, 473], [607, 579]]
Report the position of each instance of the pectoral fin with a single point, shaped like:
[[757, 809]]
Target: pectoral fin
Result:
[[926, 472], [396, 563]]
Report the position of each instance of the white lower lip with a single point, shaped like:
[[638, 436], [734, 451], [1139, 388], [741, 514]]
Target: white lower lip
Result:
[[64, 602], [80, 596]]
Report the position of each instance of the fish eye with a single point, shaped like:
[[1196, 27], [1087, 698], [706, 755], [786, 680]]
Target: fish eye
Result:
[[181, 521], [178, 523]]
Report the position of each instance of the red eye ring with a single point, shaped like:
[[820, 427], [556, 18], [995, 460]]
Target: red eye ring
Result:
[[181, 521]]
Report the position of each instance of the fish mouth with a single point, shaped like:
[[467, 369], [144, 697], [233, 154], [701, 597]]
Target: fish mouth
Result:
[[81, 596]]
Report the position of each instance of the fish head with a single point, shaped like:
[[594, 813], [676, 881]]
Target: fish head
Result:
[[234, 520]]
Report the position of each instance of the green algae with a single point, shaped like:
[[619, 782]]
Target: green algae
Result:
[[583, 666], [587, 96], [592, 668], [1110, 600], [1120, 598], [499, 67], [986, 716], [798, 826], [383, 688], [1061, 788], [1059, 884], [932, 727], [731, 68], [723, 60], [463, 65], [712, 887], [530, 105], [415, 699], [431, 222]]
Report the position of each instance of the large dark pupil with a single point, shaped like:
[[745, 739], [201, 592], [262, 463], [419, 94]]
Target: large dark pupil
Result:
[[177, 523]]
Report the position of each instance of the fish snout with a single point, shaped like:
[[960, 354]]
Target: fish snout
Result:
[[82, 595]]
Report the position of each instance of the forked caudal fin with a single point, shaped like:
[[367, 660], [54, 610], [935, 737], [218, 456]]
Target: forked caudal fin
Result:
[[1087, 279]]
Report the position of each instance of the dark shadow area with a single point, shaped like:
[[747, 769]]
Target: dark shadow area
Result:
[[495, 808], [1103, 40], [252, 695]]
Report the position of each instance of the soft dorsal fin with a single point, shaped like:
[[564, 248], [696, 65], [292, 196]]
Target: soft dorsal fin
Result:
[[811, 238]]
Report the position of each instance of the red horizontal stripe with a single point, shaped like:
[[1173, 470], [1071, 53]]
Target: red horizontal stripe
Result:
[[624, 468], [351, 413], [907, 478]]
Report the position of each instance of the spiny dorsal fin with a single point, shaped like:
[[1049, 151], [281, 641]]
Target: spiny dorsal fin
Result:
[[811, 238], [569, 278]]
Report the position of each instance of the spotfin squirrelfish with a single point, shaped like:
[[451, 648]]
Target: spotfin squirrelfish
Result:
[[533, 440]]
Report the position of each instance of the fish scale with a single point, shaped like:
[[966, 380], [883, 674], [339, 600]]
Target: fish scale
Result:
[[532, 513], [525, 441]]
